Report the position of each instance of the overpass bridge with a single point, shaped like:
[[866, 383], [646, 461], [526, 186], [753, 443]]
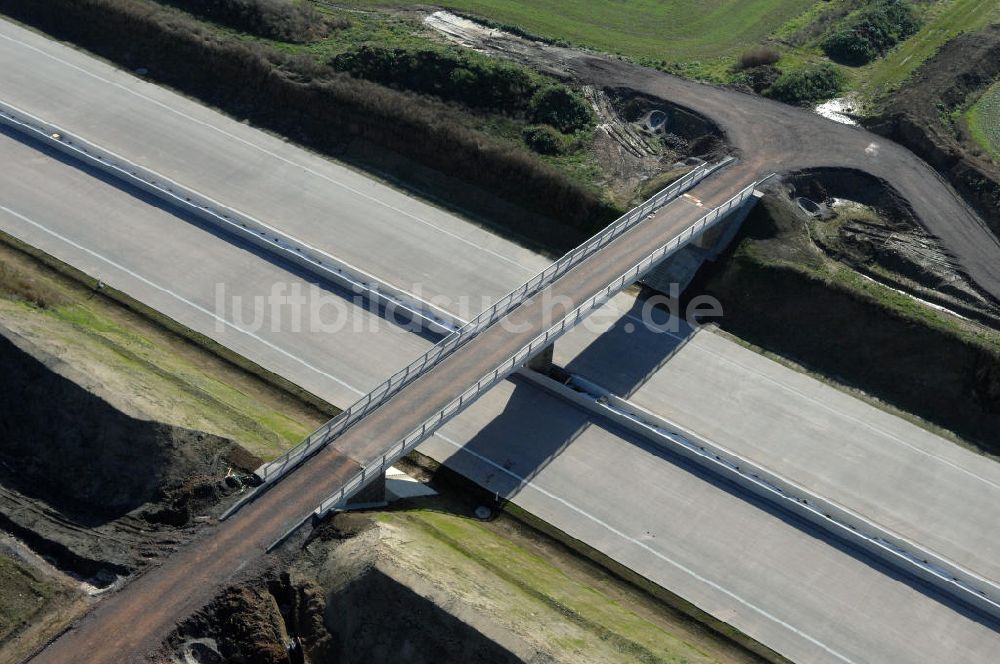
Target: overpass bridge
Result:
[[355, 448], [224, 548], [475, 354], [499, 341]]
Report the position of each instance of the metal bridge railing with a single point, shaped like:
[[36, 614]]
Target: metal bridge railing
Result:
[[411, 440], [273, 470]]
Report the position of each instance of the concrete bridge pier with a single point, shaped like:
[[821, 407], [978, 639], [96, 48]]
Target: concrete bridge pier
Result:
[[542, 362], [680, 268]]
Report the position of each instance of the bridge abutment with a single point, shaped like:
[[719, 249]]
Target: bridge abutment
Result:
[[373, 495], [542, 362]]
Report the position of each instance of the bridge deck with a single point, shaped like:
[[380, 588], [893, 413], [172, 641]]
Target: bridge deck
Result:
[[126, 626]]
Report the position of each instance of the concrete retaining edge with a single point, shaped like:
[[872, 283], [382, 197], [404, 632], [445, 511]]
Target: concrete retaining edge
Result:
[[887, 546], [233, 222]]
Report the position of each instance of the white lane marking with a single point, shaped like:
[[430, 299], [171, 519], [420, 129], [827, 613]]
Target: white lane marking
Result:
[[250, 144], [178, 297], [522, 482], [891, 436]]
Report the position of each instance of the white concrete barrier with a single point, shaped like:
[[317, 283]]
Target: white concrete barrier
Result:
[[245, 227], [891, 548]]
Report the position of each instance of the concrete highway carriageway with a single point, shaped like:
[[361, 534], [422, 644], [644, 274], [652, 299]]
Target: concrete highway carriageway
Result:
[[770, 575]]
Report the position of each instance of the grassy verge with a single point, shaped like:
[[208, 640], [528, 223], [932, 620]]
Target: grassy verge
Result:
[[159, 368], [781, 294], [703, 40], [35, 604], [496, 99], [943, 21], [874, 82], [983, 119], [541, 537], [26, 595], [561, 607]]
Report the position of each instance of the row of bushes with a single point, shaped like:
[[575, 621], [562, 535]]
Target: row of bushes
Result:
[[308, 102], [285, 20], [872, 31], [469, 79]]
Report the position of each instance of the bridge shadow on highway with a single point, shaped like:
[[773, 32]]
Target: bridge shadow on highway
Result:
[[534, 428], [633, 348]]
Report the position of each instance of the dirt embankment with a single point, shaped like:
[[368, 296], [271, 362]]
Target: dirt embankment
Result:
[[98, 490], [426, 582], [644, 142], [638, 137], [875, 232], [918, 117], [346, 599]]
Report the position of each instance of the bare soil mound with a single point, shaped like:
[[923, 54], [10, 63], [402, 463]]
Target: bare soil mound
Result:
[[918, 117], [345, 601], [93, 487]]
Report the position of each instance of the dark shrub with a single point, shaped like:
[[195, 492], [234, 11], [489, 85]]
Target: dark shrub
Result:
[[543, 139], [762, 77], [475, 81], [707, 145], [872, 32], [465, 77], [556, 105], [805, 85], [634, 109], [285, 20], [849, 48], [756, 57]]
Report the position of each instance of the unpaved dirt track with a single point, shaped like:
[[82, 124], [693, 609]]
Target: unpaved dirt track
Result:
[[130, 625], [771, 136], [776, 137]]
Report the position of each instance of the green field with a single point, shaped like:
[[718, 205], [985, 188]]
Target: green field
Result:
[[984, 121], [675, 32]]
